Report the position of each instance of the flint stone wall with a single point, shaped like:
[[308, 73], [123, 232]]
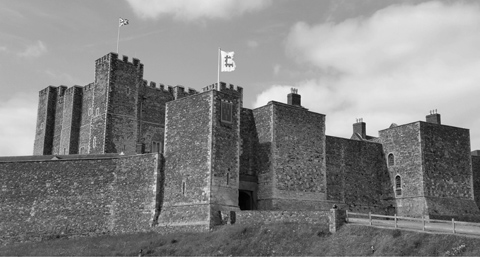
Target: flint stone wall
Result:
[[357, 175], [91, 196]]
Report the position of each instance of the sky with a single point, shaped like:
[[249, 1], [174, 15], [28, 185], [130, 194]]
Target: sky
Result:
[[381, 60]]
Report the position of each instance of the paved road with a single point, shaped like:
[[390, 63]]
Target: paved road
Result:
[[468, 229]]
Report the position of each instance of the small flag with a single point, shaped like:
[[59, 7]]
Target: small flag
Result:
[[226, 61], [122, 22]]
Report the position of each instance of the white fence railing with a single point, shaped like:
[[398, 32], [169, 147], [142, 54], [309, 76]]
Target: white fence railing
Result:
[[431, 224]]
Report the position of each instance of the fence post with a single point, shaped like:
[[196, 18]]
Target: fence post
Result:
[[370, 217], [423, 222], [396, 221], [453, 224]]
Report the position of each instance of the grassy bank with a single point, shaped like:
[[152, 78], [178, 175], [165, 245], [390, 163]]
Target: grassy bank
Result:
[[279, 239]]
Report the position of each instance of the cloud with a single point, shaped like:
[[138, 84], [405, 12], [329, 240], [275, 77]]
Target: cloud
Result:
[[19, 114], [196, 9], [3, 49], [252, 44], [34, 50], [393, 66]]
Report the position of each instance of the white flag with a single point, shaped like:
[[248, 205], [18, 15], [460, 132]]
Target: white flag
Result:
[[122, 22], [227, 63]]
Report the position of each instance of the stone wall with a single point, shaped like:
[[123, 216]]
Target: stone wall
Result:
[[57, 127], [47, 99], [447, 161], [225, 151], [476, 178], [298, 151], [87, 196], [357, 175], [403, 143], [447, 169], [188, 141], [263, 121], [269, 217]]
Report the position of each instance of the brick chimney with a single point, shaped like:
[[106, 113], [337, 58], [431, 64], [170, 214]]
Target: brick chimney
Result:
[[434, 117], [294, 98], [360, 128]]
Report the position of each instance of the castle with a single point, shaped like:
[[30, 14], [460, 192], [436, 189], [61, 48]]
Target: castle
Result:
[[121, 154]]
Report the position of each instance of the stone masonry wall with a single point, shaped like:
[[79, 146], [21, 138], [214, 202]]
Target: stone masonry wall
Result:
[[187, 161], [298, 151], [263, 121], [45, 121], [85, 120], [476, 178], [403, 142], [59, 111], [225, 152], [269, 217], [46, 198], [249, 142], [447, 170], [151, 116], [71, 120], [357, 175]]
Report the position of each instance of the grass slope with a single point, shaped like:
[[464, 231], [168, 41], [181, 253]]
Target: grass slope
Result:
[[278, 239]]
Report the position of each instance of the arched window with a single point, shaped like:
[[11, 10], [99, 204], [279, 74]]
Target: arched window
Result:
[[391, 160], [398, 185]]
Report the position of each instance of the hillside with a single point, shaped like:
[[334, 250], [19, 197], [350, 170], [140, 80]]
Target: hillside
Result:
[[278, 239]]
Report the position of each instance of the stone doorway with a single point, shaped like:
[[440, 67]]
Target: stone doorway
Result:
[[245, 200]]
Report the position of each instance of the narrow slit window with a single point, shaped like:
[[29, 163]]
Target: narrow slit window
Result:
[[94, 143], [228, 178], [184, 187], [97, 112]]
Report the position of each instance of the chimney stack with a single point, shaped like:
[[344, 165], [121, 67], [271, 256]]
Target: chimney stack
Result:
[[360, 128], [294, 98], [434, 117]]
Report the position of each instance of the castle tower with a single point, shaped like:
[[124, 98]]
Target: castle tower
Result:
[[291, 156], [113, 126], [43, 144], [430, 168], [202, 148]]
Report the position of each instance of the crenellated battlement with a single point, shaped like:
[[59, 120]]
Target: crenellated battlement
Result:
[[226, 88], [113, 57], [178, 91]]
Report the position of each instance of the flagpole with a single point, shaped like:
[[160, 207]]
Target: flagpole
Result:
[[218, 69], [118, 36]]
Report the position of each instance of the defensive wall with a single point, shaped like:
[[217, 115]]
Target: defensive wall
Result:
[[357, 176], [76, 195]]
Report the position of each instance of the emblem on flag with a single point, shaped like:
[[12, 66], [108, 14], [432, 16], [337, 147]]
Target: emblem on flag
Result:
[[122, 22], [226, 61]]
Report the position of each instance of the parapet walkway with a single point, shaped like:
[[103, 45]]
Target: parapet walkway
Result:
[[416, 224]]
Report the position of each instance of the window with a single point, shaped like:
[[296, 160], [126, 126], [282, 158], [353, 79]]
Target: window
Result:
[[82, 150], [97, 111], [184, 187], [391, 160], [228, 178], [226, 110], [94, 142], [128, 90], [157, 147], [89, 111], [398, 185]]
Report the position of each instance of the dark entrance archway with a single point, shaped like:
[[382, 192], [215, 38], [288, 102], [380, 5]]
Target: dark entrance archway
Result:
[[245, 200]]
